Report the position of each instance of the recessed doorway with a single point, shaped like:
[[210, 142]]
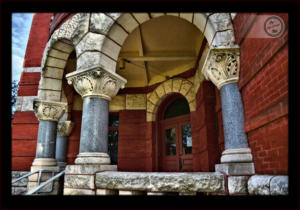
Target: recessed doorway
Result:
[[175, 137]]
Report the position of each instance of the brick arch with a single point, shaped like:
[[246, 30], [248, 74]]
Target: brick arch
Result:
[[176, 85]]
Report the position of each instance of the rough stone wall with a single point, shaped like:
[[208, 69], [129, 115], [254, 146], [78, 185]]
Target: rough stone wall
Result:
[[25, 124], [135, 141], [19, 187], [203, 122], [264, 87]]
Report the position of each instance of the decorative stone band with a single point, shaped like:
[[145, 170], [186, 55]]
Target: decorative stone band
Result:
[[64, 128], [92, 158], [222, 66], [48, 110], [240, 155], [96, 82]]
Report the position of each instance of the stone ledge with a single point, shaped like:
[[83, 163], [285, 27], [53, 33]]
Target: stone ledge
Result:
[[160, 181], [79, 181], [268, 185]]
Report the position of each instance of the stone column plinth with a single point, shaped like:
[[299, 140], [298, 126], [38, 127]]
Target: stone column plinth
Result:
[[64, 129], [48, 113], [96, 86], [222, 68]]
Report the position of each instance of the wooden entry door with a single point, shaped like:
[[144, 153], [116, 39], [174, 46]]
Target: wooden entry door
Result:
[[176, 144]]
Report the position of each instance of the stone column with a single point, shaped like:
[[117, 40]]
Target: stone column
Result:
[[48, 113], [222, 68], [96, 86], [63, 131]]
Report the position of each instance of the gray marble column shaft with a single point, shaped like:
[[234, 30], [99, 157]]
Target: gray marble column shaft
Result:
[[46, 139], [94, 126], [61, 148], [233, 117]]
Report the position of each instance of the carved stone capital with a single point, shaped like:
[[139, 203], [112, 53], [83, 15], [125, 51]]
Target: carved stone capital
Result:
[[222, 66], [96, 82], [64, 128], [48, 110]]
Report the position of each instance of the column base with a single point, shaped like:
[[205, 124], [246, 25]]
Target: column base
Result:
[[92, 158], [44, 162], [236, 168], [240, 155]]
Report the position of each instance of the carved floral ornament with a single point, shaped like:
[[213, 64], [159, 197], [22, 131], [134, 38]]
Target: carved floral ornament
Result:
[[64, 128], [222, 66], [96, 82], [48, 110]]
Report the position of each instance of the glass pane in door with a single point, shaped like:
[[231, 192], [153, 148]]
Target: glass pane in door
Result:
[[186, 139], [170, 141]]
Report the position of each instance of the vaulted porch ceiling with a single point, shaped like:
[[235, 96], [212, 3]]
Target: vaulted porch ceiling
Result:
[[159, 48]]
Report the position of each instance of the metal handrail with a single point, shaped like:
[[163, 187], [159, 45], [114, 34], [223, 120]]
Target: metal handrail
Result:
[[30, 173], [45, 183]]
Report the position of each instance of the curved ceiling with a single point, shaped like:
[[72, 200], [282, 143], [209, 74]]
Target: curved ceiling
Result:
[[159, 48]]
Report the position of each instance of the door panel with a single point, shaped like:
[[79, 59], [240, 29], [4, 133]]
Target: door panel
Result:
[[176, 141]]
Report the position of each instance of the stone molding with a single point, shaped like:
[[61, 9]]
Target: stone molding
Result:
[[237, 155], [96, 82], [48, 110], [44, 162], [222, 66], [161, 181], [64, 128], [92, 158]]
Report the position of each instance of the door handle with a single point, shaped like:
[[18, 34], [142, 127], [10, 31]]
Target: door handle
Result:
[[180, 163]]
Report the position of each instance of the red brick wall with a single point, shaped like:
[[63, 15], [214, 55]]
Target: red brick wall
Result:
[[38, 38], [29, 84], [25, 124], [135, 141], [204, 132], [264, 87], [24, 137]]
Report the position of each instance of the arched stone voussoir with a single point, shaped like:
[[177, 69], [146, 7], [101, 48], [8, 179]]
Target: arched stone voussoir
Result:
[[176, 85], [66, 36], [96, 59], [141, 17], [101, 22]]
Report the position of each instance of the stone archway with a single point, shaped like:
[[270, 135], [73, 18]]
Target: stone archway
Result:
[[98, 38], [176, 85]]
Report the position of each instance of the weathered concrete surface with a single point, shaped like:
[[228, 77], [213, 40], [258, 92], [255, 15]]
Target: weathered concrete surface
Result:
[[237, 184], [160, 181], [259, 184], [79, 181], [279, 185]]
